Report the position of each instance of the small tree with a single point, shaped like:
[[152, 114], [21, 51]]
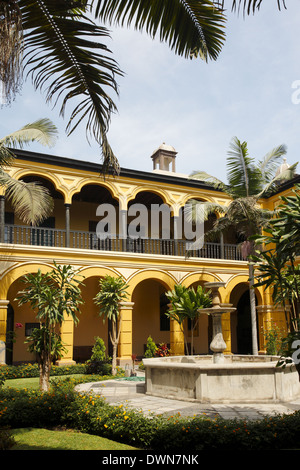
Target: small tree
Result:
[[112, 292], [185, 305], [175, 313], [99, 362], [41, 336], [151, 348], [53, 295], [277, 264], [98, 352]]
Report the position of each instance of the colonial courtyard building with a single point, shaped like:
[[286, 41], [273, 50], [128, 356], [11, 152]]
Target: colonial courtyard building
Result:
[[151, 265]]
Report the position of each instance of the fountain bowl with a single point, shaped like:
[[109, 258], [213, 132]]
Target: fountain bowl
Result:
[[238, 379]]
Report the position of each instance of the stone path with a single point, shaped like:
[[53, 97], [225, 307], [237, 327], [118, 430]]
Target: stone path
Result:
[[131, 393]]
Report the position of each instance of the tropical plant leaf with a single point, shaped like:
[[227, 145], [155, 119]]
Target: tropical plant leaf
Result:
[[66, 55], [285, 175], [203, 176], [42, 131], [244, 179], [191, 28], [200, 211], [112, 291], [248, 5], [269, 165], [31, 202], [6, 156]]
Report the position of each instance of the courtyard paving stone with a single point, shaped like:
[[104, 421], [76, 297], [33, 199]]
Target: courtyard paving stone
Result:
[[131, 393]]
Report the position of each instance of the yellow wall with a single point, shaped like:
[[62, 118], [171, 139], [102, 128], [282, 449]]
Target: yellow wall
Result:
[[90, 323], [22, 315], [147, 275], [146, 315]]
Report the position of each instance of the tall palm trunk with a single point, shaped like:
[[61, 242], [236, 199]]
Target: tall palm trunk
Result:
[[44, 368], [253, 310], [247, 249], [115, 338]]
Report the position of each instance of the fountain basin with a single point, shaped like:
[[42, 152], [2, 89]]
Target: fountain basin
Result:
[[238, 379]]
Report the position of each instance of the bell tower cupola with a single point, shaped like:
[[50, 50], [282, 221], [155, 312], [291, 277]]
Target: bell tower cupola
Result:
[[164, 158]]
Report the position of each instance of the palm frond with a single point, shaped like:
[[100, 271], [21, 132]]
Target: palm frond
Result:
[[66, 55], [243, 216], [247, 216], [191, 28], [269, 165], [221, 226], [6, 156], [249, 5], [243, 177], [42, 131], [30, 201], [198, 211], [285, 175], [203, 176]]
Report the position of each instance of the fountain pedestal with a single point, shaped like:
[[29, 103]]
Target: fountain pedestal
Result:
[[218, 344]]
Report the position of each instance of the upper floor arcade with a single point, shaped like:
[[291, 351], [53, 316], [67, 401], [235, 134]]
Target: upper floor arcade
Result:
[[79, 189]]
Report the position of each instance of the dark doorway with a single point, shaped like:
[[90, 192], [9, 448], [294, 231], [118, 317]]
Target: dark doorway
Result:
[[243, 330], [9, 335]]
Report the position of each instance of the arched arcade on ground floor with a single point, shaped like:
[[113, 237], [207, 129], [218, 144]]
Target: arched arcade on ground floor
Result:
[[142, 314]]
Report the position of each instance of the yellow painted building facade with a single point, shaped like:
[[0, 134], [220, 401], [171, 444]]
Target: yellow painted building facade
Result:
[[150, 266]]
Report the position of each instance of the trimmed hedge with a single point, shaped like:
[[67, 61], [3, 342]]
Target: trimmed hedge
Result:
[[32, 370], [91, 414]]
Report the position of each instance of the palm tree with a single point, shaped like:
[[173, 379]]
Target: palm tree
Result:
[[184, 305], [247, 183], [66, 55], [53, 296], [30, 201]]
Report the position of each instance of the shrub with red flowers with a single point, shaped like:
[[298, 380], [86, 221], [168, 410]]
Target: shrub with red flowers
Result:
[[162, 350]]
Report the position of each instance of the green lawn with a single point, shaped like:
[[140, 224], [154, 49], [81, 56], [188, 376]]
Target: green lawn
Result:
[[31, 383], [45, 439]]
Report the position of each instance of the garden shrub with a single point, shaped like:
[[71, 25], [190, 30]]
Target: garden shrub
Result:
[[99, 363], [32, 370], [63, 406], [162, 350], [150, 348], [27, 408], [93, 415]]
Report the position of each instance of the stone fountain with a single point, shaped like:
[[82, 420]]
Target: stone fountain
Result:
[[221, 378], [218, 344]]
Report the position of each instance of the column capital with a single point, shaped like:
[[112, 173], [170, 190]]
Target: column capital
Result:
[[4, 303], [126, 305]]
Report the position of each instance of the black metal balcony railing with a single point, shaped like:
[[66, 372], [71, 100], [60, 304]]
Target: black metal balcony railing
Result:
[[50, 237]]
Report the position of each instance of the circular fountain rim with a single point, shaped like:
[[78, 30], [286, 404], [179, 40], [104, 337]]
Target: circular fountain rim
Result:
[[206, 362]]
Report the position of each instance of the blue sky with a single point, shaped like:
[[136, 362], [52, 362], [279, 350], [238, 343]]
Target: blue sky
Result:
[[194, 106]]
